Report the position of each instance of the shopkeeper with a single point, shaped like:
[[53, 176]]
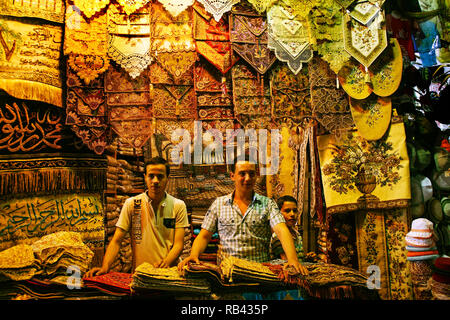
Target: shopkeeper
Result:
[[244, 221], [155, 221]]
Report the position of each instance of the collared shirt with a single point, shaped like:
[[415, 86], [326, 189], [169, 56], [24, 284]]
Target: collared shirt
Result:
[[276, 248], [152, 234], [244, 236]]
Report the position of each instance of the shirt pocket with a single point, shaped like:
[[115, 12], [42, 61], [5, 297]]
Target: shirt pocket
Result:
[[227, 226], [259, 226]]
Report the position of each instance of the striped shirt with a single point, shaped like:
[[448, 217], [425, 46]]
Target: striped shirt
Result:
[[244, 236]]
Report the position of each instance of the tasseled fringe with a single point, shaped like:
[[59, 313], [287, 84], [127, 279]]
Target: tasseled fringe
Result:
[[338, 292], [50, 180], [30, 90]]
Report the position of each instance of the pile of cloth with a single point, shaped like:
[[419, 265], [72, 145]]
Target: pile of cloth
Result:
[[147, 277], [440, 279], [420, 241], [112, 283], [18, 263]]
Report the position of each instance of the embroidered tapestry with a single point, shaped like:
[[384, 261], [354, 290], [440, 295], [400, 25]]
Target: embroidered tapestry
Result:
[[86, 111], [129, 39], [175, 7], [86, 43], [129, 105], [329, 103], [357, 173], [217, 8], [212, 39], [326, 32], [89, 8], [251, 97], [364, 11], [365, 42], [248, 35], [30, 53], [130, 7], [289, 36], [172, 42], [50, 10]]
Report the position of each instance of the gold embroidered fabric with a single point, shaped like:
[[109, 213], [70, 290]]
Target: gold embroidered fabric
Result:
[[30, 54], [344, 3], [51, 10], [371, 116], [365, 42], [131, 6], [261, 5], [159, 75], [172, 42], [364, 11], [359, 174], [213, 39], [129, 39], [329, 103], [217, 8], [352, 78], [89, 8], [129, 106], [18, 256], [167, 127], [289, 36], [249, 36], [175, 7]]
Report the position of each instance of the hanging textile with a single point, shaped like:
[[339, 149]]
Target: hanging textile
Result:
[[365, 42], [175, 7], [86, 111], [89, 8], [383, 76], [326, 33], [212, 40], [217, 8], [289, 36], [172, 42], [86, 43], [344, 3], [30, 53], [251, 98], [363, 11], [329, 102], [380, 242], [248, 35], [50, 10], [400, 28], [129, 106], [365, 174], [130, 7], [129, 39]]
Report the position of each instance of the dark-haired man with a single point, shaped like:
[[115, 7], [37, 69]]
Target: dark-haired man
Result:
[[155, 221], [244, 221]]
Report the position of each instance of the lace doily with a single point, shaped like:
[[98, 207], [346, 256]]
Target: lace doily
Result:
[[89, 7], [131, 6], [175, 7], [218, 7]]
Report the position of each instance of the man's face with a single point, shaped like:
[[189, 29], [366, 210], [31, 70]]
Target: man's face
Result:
[[156, 180], [290, 213], [244, 176]]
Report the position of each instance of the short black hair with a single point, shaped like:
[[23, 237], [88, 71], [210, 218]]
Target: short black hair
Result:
[[283, 199], [245, 157], [158, 160]]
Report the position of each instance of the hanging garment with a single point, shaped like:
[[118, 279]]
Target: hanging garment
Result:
[[401, 29], [217, 8], [365, 42], [212, 39], [329, 102], [30, 54], [248, 35], [357, 173], [172, 42], [129, 39], [86, 43], [50, 10], [326, 34], [129, 106], [86, 110], [89, 8], [289, 36]]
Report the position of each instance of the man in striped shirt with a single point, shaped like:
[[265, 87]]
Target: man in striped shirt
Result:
[[244, 221]]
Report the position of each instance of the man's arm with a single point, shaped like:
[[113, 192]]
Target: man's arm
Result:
[[110, 255], [198, 247], [175, 251], [287, 242]]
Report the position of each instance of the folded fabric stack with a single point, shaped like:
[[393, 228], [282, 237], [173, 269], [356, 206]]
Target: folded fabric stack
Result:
[[440, 281], [58, 251], [147, 277], [18, 263], [187, 243], [119, 146], [112, 283], [420, 241]]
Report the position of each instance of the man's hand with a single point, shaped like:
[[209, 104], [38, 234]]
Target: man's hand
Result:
[[298, 267], [95, 272], [162, 264], [185, 262]]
